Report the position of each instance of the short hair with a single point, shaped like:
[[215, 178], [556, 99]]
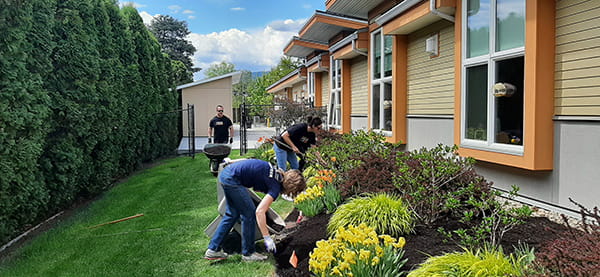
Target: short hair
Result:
[[219, 106], [293, 182], [314, 121]]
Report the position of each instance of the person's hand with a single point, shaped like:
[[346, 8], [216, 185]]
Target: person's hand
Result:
[[296, 150], [209, 140], [270, 244], [230, 140]]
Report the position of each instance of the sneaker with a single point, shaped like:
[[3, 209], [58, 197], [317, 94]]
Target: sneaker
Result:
[[255, 257], [215, 255]]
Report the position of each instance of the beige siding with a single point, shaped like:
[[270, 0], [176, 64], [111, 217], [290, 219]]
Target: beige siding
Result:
[[325, 88], [205, 98], [360, 89], [431, 80], [298, 91], [577, 69]]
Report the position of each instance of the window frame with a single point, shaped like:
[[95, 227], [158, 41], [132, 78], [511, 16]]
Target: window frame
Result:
[[334, 109], [381, 81], [490, 59]]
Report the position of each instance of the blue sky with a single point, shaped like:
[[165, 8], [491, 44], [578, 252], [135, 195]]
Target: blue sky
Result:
[[249, 34]]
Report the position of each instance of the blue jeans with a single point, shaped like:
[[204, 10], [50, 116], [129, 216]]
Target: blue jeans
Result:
[[239, 204], [283, 156]]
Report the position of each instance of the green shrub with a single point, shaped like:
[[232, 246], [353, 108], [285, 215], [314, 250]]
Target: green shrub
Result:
[[386, 213], [495, 219], [483, 262], [358, 251], [437, 182], [265, 151], [340, 152]]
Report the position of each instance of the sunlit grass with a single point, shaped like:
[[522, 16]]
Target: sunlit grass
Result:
[[177, 199]]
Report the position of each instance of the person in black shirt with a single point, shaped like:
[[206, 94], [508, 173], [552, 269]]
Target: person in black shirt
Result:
[[222, 126], [295, 140]]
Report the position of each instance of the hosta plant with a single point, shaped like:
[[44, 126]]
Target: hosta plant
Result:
[[358, 251], [488, 261], [386, 213]]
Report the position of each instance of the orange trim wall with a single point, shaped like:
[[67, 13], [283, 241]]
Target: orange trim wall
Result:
[[399, 89], [539, 91]]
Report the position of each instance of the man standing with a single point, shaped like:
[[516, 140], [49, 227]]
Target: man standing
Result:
[[222, 126]]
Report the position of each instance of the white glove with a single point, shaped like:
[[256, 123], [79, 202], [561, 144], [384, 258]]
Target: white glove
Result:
[[270, 244]]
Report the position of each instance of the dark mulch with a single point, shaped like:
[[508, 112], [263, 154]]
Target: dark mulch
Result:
[[426, 241]]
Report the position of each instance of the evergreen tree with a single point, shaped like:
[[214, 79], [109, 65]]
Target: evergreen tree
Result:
[[171, 34], [23, 113]]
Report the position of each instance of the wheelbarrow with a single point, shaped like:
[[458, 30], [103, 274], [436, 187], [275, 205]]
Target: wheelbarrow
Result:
[[216, 152]]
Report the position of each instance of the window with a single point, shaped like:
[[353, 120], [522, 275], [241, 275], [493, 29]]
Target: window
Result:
[[381, 82], [493, 75], [334, 109], [311, 89]]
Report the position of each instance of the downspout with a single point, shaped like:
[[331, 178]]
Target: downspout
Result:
[[356, 49], [438, 13]]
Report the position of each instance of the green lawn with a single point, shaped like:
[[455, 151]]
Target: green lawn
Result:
[[177, 199]]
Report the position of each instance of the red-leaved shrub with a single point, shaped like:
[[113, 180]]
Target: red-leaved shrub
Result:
[[578, 253]]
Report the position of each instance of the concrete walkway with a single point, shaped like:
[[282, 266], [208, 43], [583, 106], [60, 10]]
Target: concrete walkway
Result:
[[253, 135]]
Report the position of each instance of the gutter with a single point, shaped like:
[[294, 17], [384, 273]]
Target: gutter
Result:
[[438, 13], [407, 4], [349, 39]]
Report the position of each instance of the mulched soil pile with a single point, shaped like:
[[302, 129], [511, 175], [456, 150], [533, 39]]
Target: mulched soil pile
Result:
[[426, 241]]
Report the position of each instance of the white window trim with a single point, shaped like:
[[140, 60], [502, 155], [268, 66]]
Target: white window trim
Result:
[[311, 88], [379, 81], [335, 94], [489, 60]]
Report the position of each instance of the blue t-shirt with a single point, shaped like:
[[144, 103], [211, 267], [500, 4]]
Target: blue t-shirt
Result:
[[253, 173]]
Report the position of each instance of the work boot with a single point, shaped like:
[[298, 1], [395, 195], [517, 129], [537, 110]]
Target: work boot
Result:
[[255, 257], [215, 255]]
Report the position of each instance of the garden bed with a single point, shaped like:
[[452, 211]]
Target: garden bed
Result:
[[426, 241]]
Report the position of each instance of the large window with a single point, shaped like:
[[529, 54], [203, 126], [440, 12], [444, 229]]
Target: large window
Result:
[[493, 75], [334, 110], [381, 82]]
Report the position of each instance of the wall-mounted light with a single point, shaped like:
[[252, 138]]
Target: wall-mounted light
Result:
[[432, 45]]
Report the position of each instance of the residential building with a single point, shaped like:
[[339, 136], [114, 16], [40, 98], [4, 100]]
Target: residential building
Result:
[[514, 83]]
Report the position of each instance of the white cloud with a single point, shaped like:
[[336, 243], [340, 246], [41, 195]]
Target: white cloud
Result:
[[247, 50], [191, 17], [188, 12], [238, 9], [146, 17], [174, 8], [134, 4]]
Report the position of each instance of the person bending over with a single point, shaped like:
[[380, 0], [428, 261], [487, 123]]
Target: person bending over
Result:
[[235, 180]]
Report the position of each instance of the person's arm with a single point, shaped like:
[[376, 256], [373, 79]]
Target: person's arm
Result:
[[210, 131], [261, 214], [286, 138], [231, 134]]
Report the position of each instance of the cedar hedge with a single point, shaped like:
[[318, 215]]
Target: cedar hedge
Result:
[[82, 87]]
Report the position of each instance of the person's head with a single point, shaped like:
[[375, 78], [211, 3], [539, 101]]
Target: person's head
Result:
[[314, 124], [220, 110], [293, 182]]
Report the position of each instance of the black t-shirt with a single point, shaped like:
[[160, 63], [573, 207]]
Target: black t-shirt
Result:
[[301, 137], [221, 126]]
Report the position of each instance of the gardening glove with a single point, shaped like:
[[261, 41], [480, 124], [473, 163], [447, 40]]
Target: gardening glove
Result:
[[209, 140], [270, 244], [230, 140]]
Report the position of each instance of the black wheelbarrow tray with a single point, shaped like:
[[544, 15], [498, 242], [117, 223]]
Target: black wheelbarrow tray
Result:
[[216, 152]]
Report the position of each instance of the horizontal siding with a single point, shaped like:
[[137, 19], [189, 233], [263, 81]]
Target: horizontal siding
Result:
[[577, 68], [325, 88], [360, 88], [431, 80]]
